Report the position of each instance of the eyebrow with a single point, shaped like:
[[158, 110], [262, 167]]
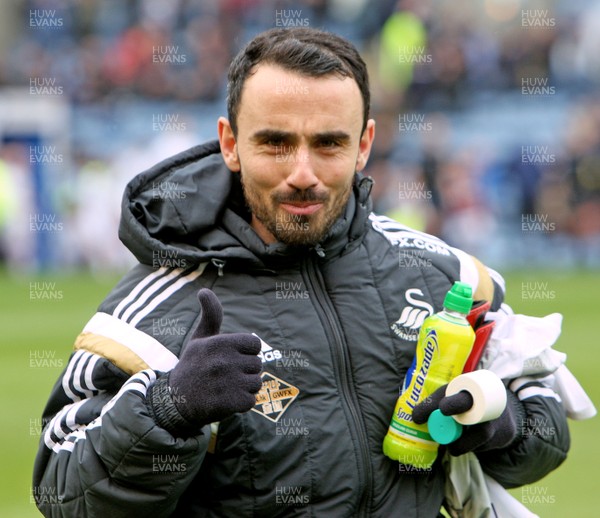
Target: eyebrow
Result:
[[339, 136], [266, 134]]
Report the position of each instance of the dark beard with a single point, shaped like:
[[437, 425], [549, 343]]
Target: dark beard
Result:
[[297, 230]]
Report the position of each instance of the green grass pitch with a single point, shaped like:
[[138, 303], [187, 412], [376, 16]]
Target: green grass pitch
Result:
[[37, 336]]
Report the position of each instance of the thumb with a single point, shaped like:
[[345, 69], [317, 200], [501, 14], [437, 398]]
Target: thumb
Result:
[[212, 315]]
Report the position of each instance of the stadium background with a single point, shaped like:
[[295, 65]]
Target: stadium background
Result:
[[488, 134]]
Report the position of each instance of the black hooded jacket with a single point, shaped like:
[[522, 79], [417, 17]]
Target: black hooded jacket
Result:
[[340, 320]]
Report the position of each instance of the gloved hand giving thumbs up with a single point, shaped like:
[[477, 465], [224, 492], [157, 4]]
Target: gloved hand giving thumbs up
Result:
[[217, 375]]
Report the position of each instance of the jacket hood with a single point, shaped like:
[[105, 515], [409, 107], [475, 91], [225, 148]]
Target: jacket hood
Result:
[[190, 209]]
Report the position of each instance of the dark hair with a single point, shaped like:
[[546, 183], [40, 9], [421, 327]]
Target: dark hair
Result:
[[307, 51]]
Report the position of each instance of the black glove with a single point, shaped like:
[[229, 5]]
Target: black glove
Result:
[[217, 375], [491, 435]]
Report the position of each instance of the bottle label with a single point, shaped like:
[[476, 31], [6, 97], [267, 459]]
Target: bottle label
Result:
[[442, 349], [398, 428], [430, 348]]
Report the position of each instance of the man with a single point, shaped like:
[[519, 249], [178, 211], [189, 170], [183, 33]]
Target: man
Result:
[[170, 408]]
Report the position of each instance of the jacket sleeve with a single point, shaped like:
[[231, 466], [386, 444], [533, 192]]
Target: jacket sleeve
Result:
[[102, 451], [543, 438], [542, 432]]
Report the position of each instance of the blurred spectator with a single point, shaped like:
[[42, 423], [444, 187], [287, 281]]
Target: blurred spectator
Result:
[[120, 63], [583, 168], [18, 242]]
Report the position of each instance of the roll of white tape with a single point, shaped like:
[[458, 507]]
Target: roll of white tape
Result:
[[488, 392]]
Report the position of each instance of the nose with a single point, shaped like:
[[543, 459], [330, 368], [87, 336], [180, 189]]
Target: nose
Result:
[[302, 175]]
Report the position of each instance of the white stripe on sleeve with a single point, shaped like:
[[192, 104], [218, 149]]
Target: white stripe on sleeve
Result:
[[167, 293], [139, 287], [150, 350]]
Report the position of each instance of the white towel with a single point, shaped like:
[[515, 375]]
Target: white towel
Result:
[[521, 345]]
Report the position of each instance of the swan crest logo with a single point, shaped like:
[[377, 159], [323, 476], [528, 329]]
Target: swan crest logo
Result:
[[412, 316]]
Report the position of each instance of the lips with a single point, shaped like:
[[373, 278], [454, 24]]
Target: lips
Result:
[[301, 208]]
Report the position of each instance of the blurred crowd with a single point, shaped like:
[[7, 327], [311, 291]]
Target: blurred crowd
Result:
[[488, 116]]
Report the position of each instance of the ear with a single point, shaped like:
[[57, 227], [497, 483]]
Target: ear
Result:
[[228, 145], [364, 146]]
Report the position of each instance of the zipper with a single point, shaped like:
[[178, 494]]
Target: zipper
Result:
[[319, 251], [219, 263], [339, 347]]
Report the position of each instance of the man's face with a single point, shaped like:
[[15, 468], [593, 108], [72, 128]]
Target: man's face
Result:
[[298, 146]]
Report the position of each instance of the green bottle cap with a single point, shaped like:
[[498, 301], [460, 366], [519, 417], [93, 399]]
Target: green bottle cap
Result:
[[443, 428], [459, 298]]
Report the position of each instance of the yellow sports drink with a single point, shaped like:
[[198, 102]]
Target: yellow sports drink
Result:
[[445, 342]]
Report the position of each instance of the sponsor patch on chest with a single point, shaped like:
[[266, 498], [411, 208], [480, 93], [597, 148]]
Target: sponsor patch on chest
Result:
[[275, 397]]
